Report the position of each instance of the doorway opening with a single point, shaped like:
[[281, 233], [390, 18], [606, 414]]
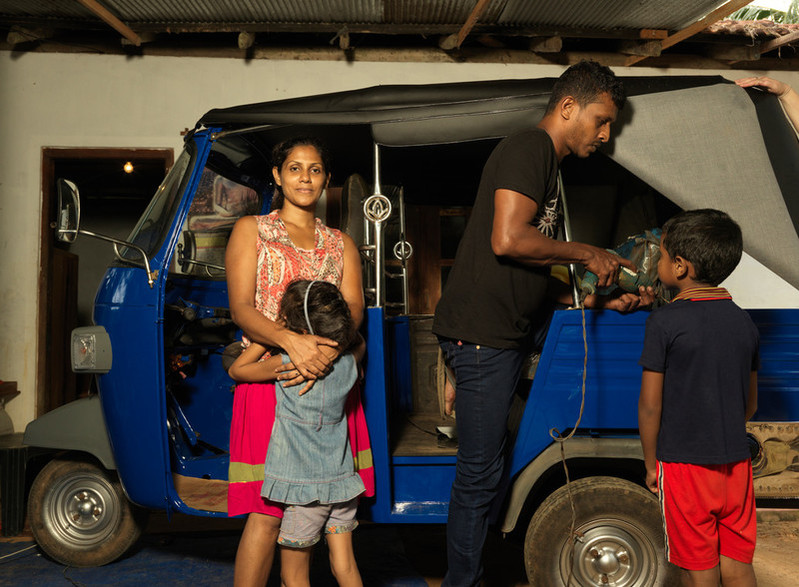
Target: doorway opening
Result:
[[115, 187]]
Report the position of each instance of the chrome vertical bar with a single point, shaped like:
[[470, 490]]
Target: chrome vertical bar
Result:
[[567, 233]]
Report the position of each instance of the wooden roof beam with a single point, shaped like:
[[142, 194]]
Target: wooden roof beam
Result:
[[455, 41], [112, 21], [700, 25], [779, 42]]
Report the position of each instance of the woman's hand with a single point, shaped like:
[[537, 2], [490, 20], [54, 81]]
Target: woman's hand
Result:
[[311, 355], [770, 85], [788, 97]]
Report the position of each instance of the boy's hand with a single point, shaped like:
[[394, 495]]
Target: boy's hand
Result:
[[652, 480], [626, 302]]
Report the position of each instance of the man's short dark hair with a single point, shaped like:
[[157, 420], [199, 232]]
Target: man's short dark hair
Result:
[[585, 81], [709, 239]]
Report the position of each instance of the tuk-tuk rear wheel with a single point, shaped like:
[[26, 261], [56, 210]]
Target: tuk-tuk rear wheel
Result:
[[80, 516], [618, 537]]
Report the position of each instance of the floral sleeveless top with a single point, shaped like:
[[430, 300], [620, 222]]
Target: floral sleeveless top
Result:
[[280, 262]]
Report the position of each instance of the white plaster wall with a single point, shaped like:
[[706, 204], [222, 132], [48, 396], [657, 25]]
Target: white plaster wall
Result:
[[70, 100]]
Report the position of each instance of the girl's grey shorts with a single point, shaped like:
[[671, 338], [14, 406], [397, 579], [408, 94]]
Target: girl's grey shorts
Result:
[[302, 525]]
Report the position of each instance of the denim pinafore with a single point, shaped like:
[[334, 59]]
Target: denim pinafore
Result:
[[309, 458]]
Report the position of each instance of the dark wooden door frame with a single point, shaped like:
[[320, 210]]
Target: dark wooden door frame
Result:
[[47, 238]]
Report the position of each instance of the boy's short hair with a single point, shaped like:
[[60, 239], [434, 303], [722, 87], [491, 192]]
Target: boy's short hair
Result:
[[328, 312], [585, 81], [709, 239]]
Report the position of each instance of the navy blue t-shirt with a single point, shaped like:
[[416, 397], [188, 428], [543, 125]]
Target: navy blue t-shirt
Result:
[[706, 350]]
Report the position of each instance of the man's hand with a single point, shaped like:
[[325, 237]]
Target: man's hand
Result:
[[605, 265]]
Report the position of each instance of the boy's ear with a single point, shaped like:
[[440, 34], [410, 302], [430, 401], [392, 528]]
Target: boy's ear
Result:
[[681, 267]]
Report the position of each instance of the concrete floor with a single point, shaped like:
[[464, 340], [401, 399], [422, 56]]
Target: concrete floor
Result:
[[195, 552]]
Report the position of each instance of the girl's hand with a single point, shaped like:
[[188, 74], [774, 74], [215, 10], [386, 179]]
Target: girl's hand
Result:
[[306, 352], [291, 376]]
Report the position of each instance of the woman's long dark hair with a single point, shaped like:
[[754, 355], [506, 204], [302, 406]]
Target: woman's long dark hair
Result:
[[328, 312], [280, 153]]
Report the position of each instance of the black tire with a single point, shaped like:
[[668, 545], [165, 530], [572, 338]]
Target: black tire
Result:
[[620, 544], [80, 516]]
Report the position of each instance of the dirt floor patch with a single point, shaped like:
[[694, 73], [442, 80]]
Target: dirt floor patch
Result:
[[776, 561]]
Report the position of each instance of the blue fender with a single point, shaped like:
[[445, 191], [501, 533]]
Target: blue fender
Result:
[[78, 425]]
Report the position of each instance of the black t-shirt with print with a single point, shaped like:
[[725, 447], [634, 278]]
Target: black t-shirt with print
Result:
[[493, 300]]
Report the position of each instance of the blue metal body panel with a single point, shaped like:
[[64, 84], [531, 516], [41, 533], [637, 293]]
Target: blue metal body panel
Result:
[[612, 383], [778, 378], [614, 377], [375, 400], [133, 393]]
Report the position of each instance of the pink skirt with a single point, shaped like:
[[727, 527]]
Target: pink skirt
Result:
[[250, 429]]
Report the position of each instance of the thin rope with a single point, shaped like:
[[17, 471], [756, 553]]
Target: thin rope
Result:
[[557, 437]]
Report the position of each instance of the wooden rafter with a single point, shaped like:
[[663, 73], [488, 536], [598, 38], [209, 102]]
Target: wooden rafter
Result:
[[477, 12], [779, 42], [700, 25], [112, 21]]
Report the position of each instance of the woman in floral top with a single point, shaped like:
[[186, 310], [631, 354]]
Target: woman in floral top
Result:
[[264, 255]]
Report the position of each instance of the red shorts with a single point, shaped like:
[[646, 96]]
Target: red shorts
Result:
[[708, 510]]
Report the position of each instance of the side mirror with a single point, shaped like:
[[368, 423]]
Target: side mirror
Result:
[[68, 223], [67, 227]]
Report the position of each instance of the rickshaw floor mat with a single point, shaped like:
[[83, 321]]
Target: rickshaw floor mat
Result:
[[204, 558], [202, 494]]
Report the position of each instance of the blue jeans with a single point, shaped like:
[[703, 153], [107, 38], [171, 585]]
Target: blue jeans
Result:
[[485, 379]]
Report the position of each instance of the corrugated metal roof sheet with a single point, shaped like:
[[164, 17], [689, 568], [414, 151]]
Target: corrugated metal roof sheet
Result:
[[579, 26], [576, 14], [607, 14]]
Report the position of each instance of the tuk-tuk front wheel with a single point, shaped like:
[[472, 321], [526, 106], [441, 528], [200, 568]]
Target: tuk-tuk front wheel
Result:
[[617, 540], [79, 514]]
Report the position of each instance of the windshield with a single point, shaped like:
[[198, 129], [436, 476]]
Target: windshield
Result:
[[152, 226]]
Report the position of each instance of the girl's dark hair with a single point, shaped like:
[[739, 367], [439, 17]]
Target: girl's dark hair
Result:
[[280, 153], [709, 239], [585, 81], [328, 313]]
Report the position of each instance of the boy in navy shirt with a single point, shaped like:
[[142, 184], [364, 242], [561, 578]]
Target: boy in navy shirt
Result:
[[699, 387]]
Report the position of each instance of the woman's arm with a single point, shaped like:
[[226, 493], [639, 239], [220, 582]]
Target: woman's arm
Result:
[[351, 280], [786, 94], [650, 406], [359, 349], [241, 264], [248, 368]]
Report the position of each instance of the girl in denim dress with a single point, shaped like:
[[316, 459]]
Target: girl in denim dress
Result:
[[309, 465]]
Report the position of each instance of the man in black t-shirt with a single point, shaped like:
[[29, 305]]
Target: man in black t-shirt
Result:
[[498, 284]]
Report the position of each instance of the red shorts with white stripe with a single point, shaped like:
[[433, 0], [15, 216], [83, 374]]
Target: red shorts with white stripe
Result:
[[708, 510]]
